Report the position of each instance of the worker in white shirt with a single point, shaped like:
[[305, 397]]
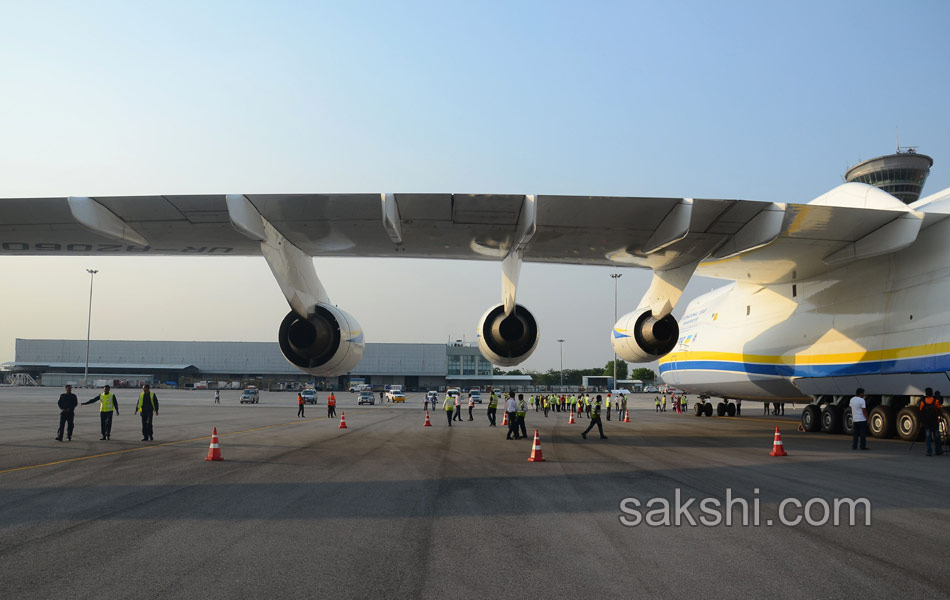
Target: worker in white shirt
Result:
[[511, 407], [471, 407]]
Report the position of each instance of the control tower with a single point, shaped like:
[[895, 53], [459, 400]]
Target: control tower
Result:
[[901, 175]]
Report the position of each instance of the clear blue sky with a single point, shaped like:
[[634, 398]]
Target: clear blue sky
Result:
[[733, 99]]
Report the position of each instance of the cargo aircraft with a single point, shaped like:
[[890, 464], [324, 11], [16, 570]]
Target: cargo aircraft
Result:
[[849, 289]]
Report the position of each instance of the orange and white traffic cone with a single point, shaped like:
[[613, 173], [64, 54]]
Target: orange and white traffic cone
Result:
[[428, 424], [778, 448], [214, 452], [626, 416], [571, 421], [536, 455], [343, 420], [504, 420]]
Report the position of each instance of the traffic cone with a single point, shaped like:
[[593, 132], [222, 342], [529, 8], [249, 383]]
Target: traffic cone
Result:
[[343, 420], [428, 424], [626, 416], [571, 421], [214, 452], [778, 448], [504, 420], [536, 455]]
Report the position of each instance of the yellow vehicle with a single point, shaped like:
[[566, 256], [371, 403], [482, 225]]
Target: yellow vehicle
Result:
[[396, 395]]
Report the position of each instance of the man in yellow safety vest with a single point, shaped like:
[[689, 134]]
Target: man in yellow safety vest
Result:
[[147, 406], [107, 403]]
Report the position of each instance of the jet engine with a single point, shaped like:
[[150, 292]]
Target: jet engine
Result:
[[638, 337], [328, 342], [507, 341]]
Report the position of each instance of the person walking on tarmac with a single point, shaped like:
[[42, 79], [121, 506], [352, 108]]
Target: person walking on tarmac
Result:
[[450, 404], [148, 404], [107, 403], [471, 407], [656, 401], [595, 420], [930, 408], [492, 408], [299, 404], [458, 408], [217, 397], [511, 409], [331, 406], [67, 411], [521, 413]]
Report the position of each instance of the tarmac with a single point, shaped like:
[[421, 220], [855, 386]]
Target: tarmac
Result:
[[389, 508]]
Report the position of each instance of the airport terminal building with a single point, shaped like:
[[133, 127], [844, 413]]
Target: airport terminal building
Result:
[[236, 364]]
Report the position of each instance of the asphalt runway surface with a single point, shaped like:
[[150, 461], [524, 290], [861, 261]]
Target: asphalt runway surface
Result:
[[388, 508]]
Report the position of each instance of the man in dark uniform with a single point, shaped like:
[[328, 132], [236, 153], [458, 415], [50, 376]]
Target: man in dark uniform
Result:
[[67, 405], [148, 404], [929, 408]]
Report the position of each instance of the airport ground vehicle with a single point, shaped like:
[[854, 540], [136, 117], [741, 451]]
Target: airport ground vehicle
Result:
[[250, 396], [432, 396], [367, 397], [309, 396], [476, 395], [361, 387], [396, 395], [623, 391]]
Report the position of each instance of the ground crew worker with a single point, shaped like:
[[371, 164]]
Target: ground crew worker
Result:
[[595, 420], [684, 405], [148, 403], [425, 403], [471, 407], [299, 404], [107, 402], [67, 406], [511, 409], [547, 407], [217, 397], [449, 405], [623, 405], [521, 413], [492, 407], [738, 408], [458, 408], [765, 405], [587, 404], [331, 406], [536, 400], [929, 408], [608, 406], [656, 401]]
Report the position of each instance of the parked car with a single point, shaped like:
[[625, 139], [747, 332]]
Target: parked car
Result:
[[651, 389], [476, 395], [309, 396], [623, 391], [367, 397], [250, 396]]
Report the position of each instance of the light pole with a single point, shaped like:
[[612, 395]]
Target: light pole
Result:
[[92, 278], [561, 342], [615, 277]]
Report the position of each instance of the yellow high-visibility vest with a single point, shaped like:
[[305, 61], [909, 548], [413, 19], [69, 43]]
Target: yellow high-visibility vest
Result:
[[151, 400], [106, 402]]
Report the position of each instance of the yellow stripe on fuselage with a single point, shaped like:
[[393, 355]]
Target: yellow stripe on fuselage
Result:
[[813, 359]]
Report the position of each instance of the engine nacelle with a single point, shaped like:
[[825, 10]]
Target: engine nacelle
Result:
[[329, 342], [638, 337], [507, 341]]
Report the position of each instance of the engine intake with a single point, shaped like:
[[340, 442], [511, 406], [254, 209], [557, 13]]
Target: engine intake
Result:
[[641, 338], [328, 342], [507, 341]]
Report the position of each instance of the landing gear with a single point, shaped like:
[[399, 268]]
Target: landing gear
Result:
[[811, 418], [721, 409], [730, 409], [699, 407], [908, 423], [707, 409], [881, 421], [830, 419]]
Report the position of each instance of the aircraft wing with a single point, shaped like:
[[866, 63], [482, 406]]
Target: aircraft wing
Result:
[[756, 241]]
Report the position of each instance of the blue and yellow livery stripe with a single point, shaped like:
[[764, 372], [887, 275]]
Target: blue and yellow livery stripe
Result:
[[620, 333], [927, 358]]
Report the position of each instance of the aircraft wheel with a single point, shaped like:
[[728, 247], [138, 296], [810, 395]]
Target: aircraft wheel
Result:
[[908, 423], [943, 424], [847, 422], [731, 409], [707, 408], [811, 418], [830, 419], [699, 409], [720, 409], [881, 422]]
